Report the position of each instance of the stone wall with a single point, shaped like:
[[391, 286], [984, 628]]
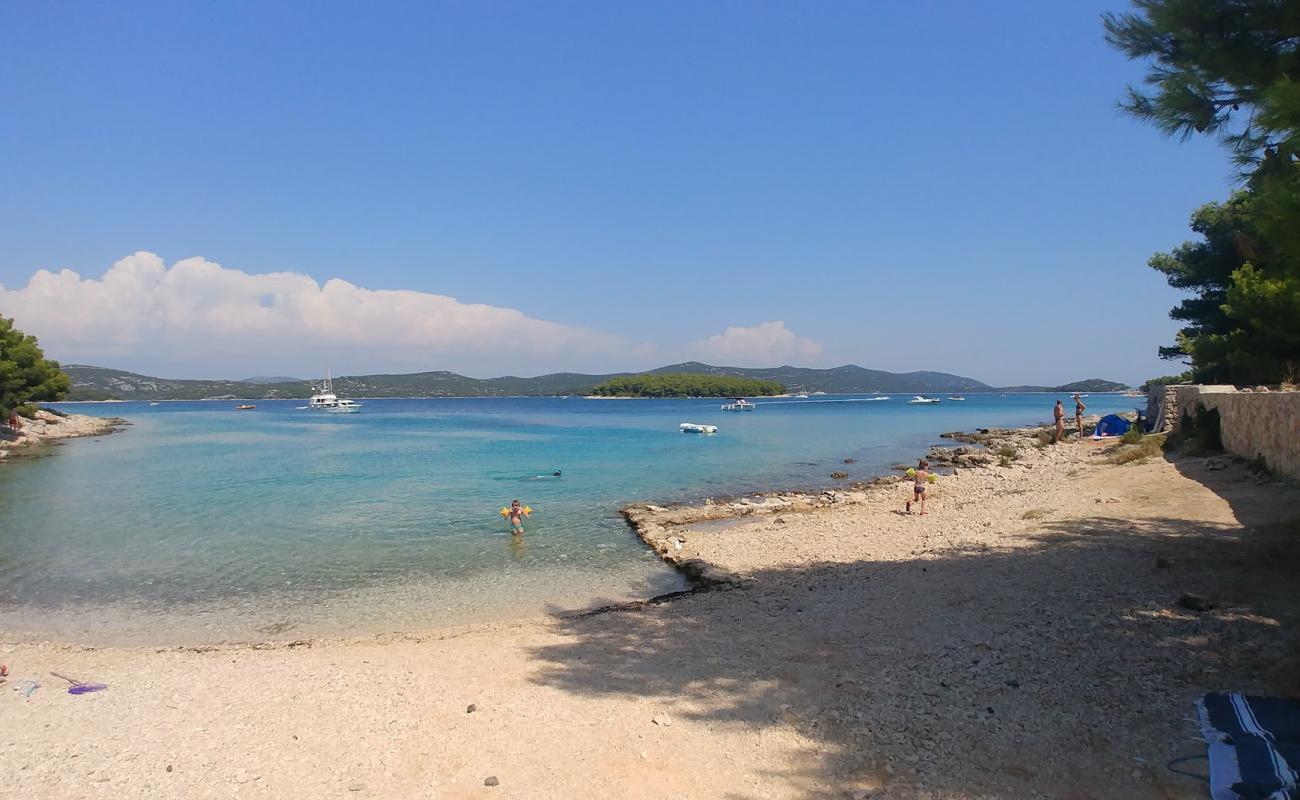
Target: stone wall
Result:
[[1253, 424], [1162, 408]]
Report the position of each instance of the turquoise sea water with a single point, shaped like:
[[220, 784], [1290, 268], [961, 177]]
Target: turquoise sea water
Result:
[[199, 523]]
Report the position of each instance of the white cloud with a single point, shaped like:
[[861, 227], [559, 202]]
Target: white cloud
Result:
[[198, 318], [765, 345]]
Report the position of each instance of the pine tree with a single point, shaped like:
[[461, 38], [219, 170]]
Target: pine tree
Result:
[[26, 375]]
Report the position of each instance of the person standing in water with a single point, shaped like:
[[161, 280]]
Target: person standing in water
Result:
[[1058, 414], [1078, 413], [516, 518]]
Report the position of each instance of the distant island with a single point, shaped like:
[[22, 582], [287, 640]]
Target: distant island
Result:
[[684, 384], [102, 383]]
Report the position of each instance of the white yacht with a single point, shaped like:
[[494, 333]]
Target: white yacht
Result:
[[919, 400], [324, 397], [327, 400]]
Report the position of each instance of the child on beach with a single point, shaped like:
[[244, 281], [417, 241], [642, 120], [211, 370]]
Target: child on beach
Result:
[[920, 477], [516, 518]]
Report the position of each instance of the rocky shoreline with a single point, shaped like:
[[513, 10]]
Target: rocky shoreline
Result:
[[665, 529], [49, 427]]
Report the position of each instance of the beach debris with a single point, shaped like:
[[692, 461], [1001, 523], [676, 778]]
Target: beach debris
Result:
[[662, 720], [839, 476], [1195, 602], [356, 787], [81, 687], [850, 461], [471, 708], [4, 671], [1215, 464], [27, 687], [491, 780], [169, 767]]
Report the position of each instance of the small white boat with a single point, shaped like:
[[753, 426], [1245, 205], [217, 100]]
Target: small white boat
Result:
[[691, 427], [816, 393], [802, 396], [154, 403], [740, 404], [918, 400], [956, 397], [886, 397], [346, 407]]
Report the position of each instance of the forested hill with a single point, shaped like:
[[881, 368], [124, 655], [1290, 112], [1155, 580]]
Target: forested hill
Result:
[[101, 383]]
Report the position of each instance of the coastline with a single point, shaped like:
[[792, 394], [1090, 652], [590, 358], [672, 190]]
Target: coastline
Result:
[[49, 428], [1023, 639]]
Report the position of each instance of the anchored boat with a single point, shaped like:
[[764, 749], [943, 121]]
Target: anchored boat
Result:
[[691, 427]]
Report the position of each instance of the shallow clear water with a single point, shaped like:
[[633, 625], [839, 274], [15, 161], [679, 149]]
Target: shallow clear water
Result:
[[199, 523]]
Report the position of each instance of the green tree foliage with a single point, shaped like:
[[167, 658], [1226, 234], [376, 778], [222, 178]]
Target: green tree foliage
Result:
[[1222, 67], [1231, 69], [26, 375], [686, 385]]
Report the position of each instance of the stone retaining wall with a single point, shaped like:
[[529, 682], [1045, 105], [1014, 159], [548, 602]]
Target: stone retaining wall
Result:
[[1253, 424]]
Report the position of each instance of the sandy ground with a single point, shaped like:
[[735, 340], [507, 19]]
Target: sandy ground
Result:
[[1022, 640]]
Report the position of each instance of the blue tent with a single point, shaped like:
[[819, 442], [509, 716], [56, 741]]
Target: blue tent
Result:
[[1111, 425]]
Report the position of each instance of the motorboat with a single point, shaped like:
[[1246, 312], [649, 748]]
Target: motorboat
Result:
[[802, 396], [918, 400], [324, 397], [245, 407], [691, 427], [879, 397], [956, 397], [739, 404], [326, 400], [154, 403], [346, 407]]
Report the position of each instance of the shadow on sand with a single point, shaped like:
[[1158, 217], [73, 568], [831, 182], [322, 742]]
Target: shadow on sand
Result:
[[1066, 669]]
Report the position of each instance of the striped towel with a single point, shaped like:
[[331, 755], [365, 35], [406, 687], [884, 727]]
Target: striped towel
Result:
[[1254, 746]]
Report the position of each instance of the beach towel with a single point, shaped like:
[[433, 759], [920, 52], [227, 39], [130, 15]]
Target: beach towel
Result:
[[1254, 746]]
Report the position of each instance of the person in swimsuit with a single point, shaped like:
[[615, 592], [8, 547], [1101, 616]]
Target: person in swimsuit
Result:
[[920, 477], [1058, 414], [516, 518], [1078, 413]]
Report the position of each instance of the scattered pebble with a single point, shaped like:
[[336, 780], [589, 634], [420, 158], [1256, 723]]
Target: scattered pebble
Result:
[[356, 787], [491, 780], [471, 708], [1195, 602], [662, 720]]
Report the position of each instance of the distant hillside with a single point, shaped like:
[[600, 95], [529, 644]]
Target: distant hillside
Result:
[[270, 379], [848, 379], [1089, 385], [101, 383]]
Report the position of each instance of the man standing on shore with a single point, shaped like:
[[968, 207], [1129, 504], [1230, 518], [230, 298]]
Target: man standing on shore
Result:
[[1058, 414]]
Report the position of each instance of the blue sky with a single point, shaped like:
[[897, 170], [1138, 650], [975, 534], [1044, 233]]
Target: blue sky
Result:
[[924, 185]]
